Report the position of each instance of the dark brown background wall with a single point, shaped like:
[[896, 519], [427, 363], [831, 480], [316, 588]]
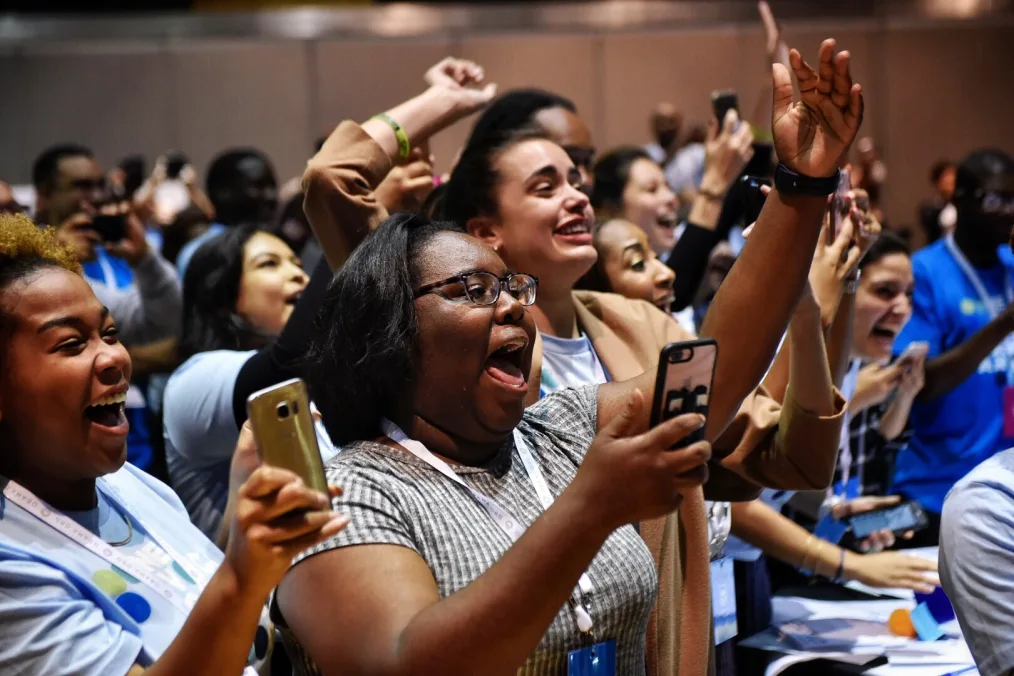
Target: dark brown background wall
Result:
[[933, 89]]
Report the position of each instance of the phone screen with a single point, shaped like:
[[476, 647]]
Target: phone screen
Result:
[[684, 381], [753, 198], [110, 227], [895, 519], [723, 102]]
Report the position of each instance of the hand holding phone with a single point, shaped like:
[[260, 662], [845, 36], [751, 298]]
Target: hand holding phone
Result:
[[898, 519], [722, 102], [917, 350], [753, 197]]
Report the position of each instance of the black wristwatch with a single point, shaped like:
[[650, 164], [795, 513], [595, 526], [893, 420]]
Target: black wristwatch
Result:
[[789, 182]]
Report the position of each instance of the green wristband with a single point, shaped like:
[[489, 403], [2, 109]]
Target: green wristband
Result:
[[404, 146]]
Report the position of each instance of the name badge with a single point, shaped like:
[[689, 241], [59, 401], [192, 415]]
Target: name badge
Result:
[[723, 599], [596, 660], [1008, 412]]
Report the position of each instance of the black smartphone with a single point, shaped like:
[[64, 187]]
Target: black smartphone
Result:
[[753, 198], [723, 101], [175, 161], [686, 372], [110, 227], [840, 206], [899, 519]]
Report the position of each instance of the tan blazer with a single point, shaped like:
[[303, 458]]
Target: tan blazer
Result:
[[768, 444]]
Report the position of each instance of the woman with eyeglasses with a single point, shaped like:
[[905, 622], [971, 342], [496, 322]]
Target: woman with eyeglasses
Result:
[[526, 205]]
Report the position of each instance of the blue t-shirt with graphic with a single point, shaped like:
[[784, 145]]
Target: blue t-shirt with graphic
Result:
[[954, 432]]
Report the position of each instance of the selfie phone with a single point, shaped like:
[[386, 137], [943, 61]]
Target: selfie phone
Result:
[[753, 198], [723, 101], [686, 372], [282, 424], [174, 164], [839, 205], [110, 227], [899, 519]]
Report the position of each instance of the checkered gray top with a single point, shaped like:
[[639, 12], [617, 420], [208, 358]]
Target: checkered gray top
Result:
[[395, 498]]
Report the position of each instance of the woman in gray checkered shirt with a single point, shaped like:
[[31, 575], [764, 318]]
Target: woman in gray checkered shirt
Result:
[[423, 578]]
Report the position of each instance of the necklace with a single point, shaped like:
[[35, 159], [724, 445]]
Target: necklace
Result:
[[130, 530]]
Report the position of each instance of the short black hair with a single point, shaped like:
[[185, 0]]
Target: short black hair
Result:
[[210, 291], [363, 356], [887, 244], [978, 167], [612, 173], [46, 165]]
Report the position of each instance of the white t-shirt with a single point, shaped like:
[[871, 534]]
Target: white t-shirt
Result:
[[569, 362]]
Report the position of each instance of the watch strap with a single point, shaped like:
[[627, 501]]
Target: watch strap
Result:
[[789, 182]]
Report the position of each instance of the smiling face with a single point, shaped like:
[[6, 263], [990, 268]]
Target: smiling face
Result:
[[883, 306], [631, 266], [651, 205], [272, 282], [64, 379], [543, 221], [473, 360]]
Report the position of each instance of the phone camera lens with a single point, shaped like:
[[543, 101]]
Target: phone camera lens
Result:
[[283, 411]]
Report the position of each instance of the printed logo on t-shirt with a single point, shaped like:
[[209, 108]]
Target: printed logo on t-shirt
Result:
[[969, 307]]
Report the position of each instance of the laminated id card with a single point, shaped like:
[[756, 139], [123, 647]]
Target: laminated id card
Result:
[[596, 660], [723, 599]]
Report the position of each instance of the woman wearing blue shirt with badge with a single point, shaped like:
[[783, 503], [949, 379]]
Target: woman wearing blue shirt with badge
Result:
[[101, 572], [963, 308]]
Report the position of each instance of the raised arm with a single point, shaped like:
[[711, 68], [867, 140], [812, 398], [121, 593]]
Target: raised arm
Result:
[[948, 370], [340, 181], [752, 308]]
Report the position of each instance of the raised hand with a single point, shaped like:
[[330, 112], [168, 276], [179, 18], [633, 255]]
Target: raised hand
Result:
[[462, 80], [133, 247], [407, 186], [630, 477], [875, 384], [727, 151], [812, 136], [276, 517], [832, 264]]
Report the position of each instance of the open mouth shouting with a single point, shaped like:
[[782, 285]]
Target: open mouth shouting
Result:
[[108, 412], [505, 364], [667, 221]]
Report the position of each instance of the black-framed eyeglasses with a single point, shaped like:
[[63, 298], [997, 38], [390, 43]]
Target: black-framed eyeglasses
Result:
[[483, 288]]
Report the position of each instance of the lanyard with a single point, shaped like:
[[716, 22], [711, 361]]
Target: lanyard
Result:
[[845, 440], [507, 523], [976, 281], [71, 529]]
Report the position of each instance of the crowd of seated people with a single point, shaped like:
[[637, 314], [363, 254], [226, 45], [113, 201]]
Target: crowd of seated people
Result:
[[481, 350]]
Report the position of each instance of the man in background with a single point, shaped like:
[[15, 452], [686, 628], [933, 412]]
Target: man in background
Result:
[[242, 187], [964, 308]]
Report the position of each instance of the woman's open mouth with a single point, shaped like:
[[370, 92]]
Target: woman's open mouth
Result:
[[108, 413], [505, 364], [575, 231], [668, 221]]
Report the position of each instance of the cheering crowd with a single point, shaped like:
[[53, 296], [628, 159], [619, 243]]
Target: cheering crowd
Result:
[[482, 353]]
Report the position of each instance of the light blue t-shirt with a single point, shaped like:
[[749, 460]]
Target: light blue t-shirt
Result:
[[201, 433], [977, 560], [65, 610], [188, 249], [569, 363], [954, 432]]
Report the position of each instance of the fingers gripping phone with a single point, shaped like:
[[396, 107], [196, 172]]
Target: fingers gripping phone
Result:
[[914, 351], [899, 519], [840, 205], [686, 372], [111, 227], [282, 424]]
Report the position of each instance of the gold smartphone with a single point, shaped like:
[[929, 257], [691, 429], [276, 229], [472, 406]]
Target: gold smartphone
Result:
[[282, 424]]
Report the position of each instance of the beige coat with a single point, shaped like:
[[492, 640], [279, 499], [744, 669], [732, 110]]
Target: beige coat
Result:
[[768, 444]]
